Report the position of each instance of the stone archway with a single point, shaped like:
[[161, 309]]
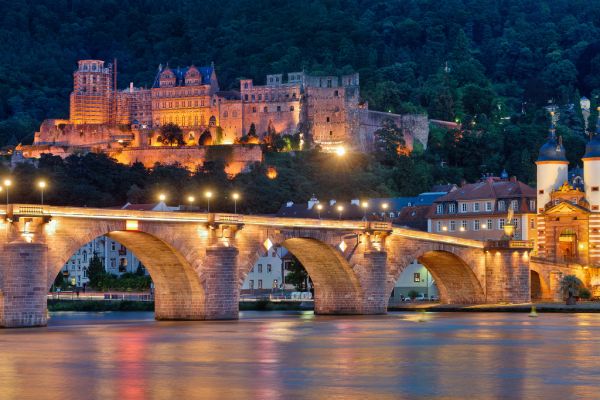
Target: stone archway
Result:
[[536, 286], [178, 292], [456, 282]]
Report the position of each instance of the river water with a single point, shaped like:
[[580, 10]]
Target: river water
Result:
[[278, 355]]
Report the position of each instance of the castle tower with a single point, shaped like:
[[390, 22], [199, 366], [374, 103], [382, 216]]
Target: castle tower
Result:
[[92, 93], [591, 169], [552, 168]]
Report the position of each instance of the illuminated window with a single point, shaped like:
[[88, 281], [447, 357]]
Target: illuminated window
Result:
[[463, 225], [417, 277], [260, 283], [269, 268], [501, 223]]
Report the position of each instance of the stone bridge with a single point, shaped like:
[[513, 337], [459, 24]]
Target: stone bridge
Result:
[[199, 261]]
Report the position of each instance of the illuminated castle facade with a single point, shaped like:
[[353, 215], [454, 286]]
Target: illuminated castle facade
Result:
[[126, 123]]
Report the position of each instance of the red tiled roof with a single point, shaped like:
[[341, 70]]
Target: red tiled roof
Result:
[[491, 188]]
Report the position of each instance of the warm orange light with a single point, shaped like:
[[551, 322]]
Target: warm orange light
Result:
[[364, 204], [340, 151], [271, 173], [162, 197], [42, 184], [131, 225], [319, 207], [385, 206], [191, 199]]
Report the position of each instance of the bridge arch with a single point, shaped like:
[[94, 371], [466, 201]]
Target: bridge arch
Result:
[[178, 292], [337, 288], [459, 273]]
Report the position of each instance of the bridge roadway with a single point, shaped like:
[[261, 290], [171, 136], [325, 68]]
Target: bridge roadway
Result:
[[198, 261]]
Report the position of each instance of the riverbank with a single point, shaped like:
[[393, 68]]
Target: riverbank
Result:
[[262, 305], [133, 305], [582, 307]]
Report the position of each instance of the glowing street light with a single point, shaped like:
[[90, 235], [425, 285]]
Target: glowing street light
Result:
[[42, 186], [384, 207], [191, 200], [340, 151], [319, 209], [162, 197], [7, 184], [365, 205], [208, 194], [235, 196], [340, 209]]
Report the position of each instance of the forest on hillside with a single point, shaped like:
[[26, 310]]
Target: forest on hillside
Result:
[[492, 65]]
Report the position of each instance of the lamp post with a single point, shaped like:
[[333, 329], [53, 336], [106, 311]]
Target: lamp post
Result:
[[340, 210], [191, 200], [384, 207], [42, 186], [365, 205], [208, 195], [319, 209], [7, 183], [236, 197]]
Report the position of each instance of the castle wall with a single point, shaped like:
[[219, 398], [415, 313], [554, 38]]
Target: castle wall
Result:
[[237, 158], [364, 124]]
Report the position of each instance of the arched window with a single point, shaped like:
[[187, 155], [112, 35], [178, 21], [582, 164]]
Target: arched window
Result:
[[212, 121]]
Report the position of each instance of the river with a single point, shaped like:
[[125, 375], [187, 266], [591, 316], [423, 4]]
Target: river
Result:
[[294, 355]]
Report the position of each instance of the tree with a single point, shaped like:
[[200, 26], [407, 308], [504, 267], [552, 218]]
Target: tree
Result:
[[389, 142], [570, 286], [252, 131], [297, 275], [172, 134], [96, 272]]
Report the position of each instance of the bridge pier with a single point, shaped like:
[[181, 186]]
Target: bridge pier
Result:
[[507, 274], [222, 292], [374, 282], [23, 286]]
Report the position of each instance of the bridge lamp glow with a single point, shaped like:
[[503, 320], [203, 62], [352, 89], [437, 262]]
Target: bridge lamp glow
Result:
[[131, 225], [191, 200], [268, 244], [483, 226], [444, 228], [462, 229], [340, 210], [319, 209], [208, 194], [162, 197], [235, 196], [42, 186], [340, 151], [7, 184]]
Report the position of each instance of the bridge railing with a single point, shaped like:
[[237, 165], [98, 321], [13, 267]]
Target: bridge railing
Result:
[[509, 244]]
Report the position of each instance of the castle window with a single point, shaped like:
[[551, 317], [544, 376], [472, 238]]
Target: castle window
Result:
[[265, 109], [246, 97], [336, 93], [330, 133], [278, 108], [294, 95], [514, 205], [501, 205], [438, 226], [490, 225], [595, 188], [541, 191], [464, 207], [246, 87], [225, 114], [253, 97], [328, 83], [253, 109], [501, 223], [594, 208], [291, 108], [259, 97], [328, 119], [476, 207]]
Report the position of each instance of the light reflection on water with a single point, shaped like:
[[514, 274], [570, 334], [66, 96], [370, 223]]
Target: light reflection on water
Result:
[[273, 355]]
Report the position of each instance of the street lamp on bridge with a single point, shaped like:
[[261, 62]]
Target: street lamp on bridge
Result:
[[162, 197], [7, 184], [208, 194], [319, 209], [235, 196], [191, 200], [340, 209], [42, 186]]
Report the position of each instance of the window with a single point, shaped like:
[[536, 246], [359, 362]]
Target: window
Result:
[[501, 205], [275, 283], [417, 277], [595, 188], [260, 268], [266, 109], [476, 225], [112, 246], [269, 268], [438, 226], [251, 284], [463, 225], [488, 206], [253, 97], [531, 205], [253, 109], [246, 97], [541, 191], [515, 223], [336, 93], [260, 283], [291, 108], [463, 207], [452, 208], [452, 226], [260, 97], [476, 207], [225, 114], [439, 209], [489, 225], [532, 223], [501, 223], [278, 108], [514, 205]]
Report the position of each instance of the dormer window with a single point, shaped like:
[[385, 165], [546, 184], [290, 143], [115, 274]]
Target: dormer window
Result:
[[439, 209]]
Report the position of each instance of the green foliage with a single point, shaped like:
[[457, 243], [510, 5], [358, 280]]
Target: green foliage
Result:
[[585, 293], [570, 285], [96, 272], [297, 275], [172, 134]]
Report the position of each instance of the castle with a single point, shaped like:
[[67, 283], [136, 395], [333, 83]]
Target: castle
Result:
[[126, 123]]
